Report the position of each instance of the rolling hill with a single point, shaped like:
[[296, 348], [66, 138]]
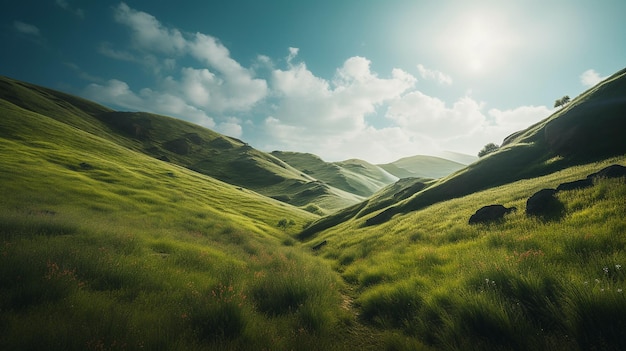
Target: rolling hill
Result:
[[591, 127], [421, 166], [303, 180], [105, 247], [457, 157], [185, 144], [354, 176], [114, 235]]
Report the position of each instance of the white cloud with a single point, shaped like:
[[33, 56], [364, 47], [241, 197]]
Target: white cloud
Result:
[[428, 116], [264, 59], [328, 117], [118, 93], [148, 32], [231, 127], [235, 88], [462, 127], [294, 109], [590, 78], [26, 28], [221, 85], [115, 92], [337, 107], [519, 118], [66, 6], [293, 52], [189, 93], [498, 124], [435, 75]]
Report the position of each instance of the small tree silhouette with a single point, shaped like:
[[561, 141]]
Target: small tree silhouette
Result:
[[562, 101], [487, 149]]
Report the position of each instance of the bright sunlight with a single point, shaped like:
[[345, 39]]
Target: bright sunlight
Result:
[[478, 43]]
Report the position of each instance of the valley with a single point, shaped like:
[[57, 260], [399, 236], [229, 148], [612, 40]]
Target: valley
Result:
[[129, 230]]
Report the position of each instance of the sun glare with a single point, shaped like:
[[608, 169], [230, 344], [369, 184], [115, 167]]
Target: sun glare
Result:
[[480, 44], [476, 43]]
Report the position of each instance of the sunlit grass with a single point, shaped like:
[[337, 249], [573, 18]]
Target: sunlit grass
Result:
[[102, 248], [520, 284]]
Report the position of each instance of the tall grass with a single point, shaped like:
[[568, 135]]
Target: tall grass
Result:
[[134, 253], [128, 252], [99, 288], [520, 284]]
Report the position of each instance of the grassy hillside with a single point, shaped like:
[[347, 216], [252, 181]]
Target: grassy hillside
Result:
[[185, 144], [457, 157], [590, 128], [105, 248], [354, 176], [421, 166], [519, 284]]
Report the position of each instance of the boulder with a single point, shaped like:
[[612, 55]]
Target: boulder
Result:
[[577, 184], [490, 213], [544, 204], [612, 171]]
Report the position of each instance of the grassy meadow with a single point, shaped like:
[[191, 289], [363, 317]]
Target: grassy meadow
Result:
[[104, 247], [520, 284]]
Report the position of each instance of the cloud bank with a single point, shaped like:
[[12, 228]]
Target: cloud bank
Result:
[[435, 75], [67, 7], [26, 28], [590, 78], [355, 113]]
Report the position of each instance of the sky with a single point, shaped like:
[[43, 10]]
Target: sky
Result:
[[370, 79]]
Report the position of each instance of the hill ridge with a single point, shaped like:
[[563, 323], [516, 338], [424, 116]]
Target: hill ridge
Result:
[[591, 127]]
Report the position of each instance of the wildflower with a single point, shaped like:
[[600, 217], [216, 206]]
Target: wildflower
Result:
[[619, 291], [606, 270], [618, 266]]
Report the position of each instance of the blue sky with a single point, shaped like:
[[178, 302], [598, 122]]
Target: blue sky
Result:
[[376, 80]]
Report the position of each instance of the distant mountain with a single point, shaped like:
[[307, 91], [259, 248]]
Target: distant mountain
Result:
[[354, 176], [421, 166], [457, 157], [590, 128], [175, 141]]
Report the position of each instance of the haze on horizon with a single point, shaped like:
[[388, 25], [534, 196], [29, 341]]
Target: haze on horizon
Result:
[[340, 79]]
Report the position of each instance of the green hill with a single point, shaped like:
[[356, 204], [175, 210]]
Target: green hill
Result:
[[519, 284], [421, 166], [182, 143], [104, 246], [590, 128], [457, 157], [354, 176]]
